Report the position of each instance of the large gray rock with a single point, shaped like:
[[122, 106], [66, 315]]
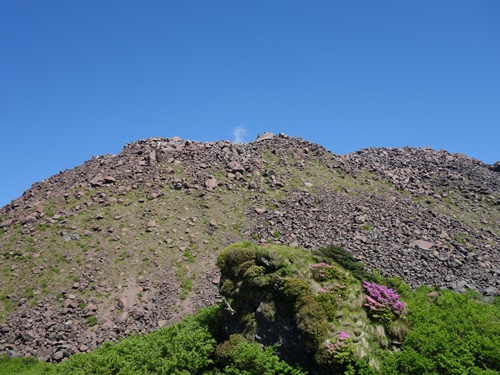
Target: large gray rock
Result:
[[264, 136], [211, 183]]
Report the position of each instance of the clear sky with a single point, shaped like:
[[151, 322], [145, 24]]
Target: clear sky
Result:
[[82, 78]]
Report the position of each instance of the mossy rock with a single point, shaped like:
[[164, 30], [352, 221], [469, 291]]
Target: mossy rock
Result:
[[236, 255], [301, 301]]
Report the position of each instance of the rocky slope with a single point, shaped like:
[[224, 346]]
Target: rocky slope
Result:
[[126, 243]]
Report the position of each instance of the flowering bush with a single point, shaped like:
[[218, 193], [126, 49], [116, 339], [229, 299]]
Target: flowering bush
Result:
[[320, 270], [339, 354], [382, 301], [341, 341]]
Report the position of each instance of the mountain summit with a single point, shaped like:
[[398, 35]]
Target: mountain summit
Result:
[[128, 243]]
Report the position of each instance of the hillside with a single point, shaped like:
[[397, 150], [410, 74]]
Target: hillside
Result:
[[127, 243]]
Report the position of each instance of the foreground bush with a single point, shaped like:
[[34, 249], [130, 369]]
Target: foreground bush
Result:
[[188, 347], [450, 333]]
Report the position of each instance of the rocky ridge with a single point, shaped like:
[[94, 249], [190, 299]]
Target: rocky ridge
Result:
[[126, 243]]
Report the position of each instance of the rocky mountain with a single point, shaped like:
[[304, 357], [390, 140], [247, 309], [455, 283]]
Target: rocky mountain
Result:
[[127, 243]]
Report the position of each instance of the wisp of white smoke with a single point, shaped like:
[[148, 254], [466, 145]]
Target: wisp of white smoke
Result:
[[238, 133]]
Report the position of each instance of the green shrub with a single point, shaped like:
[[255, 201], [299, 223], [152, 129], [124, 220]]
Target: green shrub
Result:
[[224, 350], [9, 366], [453, 334], [228, 288], [235, 255], [346, 260], [312, 319], [249, 359], [295, 288], [256, 276], [186, 347], [398, 285], [251, 270]]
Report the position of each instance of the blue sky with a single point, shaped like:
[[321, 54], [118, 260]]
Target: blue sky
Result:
[[82, 78]]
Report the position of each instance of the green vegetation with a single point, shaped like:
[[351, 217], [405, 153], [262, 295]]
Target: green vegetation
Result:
[[345, 259], [450, 333], [312, 309], [186, 286], [196, 345], [92, 321], [8, 304]]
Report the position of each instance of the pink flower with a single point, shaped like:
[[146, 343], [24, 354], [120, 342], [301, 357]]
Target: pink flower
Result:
[[319, 265], [343, 336], [380, 297]]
